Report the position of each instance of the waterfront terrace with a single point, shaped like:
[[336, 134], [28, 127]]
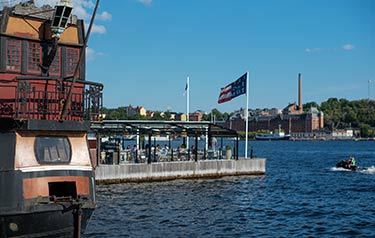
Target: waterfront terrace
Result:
[[146, 160], [147, 133]]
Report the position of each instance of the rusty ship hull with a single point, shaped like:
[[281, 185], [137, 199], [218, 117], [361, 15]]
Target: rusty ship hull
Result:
[[47, 184]]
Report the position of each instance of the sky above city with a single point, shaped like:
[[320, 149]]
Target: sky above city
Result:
[[143, 51]]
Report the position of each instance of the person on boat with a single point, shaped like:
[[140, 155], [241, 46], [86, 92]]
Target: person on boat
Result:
[[351, 162]]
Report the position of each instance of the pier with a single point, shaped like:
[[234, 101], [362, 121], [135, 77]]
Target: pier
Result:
[[179, 170], [115, 164]]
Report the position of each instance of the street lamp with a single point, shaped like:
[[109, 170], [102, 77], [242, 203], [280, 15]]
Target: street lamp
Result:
[[60, 18]]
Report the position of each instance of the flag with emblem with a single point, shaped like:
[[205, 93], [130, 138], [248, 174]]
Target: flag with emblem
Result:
[[233, 90]]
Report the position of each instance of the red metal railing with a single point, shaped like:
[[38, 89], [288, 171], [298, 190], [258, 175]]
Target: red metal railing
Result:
[[43, 98]]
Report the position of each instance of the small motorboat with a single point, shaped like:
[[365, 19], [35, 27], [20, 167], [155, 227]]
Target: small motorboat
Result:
[[346, 165]]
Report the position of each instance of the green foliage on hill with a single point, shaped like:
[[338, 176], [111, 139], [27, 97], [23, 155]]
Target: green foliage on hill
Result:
[[338, 113], [119, 114], [341, 113], [215, 115]]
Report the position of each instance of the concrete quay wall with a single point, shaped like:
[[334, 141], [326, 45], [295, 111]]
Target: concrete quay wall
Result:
[[179, 169]]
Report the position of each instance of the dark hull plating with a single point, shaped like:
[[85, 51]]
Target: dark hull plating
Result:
[[42, 224], [43, 201], [41, 217]]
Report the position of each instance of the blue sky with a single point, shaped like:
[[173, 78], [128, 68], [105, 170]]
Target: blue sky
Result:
[[142, 51]]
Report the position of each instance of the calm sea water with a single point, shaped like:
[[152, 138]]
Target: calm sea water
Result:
[[301, 195]]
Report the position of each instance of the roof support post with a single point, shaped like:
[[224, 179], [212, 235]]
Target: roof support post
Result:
[[221, 148], [148, 152], [236, 153], [155, 149], [196, 148]]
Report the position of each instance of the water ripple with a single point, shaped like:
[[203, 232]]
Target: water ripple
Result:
[[300, 196]]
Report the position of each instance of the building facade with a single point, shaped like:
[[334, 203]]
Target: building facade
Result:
[[26, 44], [292, 119], [311, 121], [138, 110]]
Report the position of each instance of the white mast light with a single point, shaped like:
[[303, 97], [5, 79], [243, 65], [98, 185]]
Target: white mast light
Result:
[[62, 13]]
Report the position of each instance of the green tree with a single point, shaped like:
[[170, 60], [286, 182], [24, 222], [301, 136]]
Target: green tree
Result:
[[225, 116], [138, 117], [365, 130], [206, 117], [216, 114], [332, 111], [309, 105], [167, 115], [341, 112], [157, 116]]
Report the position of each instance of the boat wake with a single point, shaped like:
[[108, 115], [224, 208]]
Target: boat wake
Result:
[[340, 169], [369, 170]]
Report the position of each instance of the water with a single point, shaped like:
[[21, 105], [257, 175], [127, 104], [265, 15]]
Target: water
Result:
[[301, 195]]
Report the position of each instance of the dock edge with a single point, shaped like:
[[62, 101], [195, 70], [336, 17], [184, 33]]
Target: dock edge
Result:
[[106, 174]]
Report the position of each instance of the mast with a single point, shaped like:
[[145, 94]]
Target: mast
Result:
[[187, 107], [67, 102], [247, 113]]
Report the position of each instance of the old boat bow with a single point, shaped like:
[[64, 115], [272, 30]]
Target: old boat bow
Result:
[[47, 184]]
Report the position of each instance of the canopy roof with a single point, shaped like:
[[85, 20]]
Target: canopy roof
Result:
[[187, 128]]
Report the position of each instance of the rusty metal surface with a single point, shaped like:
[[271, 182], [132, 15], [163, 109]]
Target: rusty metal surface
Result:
[[38, 187]]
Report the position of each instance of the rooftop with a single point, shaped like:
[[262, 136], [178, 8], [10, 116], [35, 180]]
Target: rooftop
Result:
[[189, 128]]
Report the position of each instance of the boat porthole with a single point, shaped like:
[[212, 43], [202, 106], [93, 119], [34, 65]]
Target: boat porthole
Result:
[[13, 226]]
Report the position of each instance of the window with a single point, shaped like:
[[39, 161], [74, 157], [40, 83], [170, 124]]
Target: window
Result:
[[72, 56], [35, 53], [13, 55], [54, 69], [52, 150]]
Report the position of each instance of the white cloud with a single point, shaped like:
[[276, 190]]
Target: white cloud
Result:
[[348, 47], [313, 50], [90, 54], [100, 29], [145, 2], [81, 12], [104, 16], [88, 4], [324, 50]]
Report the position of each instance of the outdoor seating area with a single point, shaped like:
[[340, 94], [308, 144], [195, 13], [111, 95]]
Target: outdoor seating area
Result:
[[169, 155], [187, 141]]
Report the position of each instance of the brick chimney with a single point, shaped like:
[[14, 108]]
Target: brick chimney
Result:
[[300, 92]]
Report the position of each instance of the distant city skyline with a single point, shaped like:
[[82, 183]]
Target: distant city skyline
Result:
[[143, 51]]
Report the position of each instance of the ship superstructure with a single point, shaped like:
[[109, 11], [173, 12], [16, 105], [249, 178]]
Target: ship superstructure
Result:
[[47, 185]]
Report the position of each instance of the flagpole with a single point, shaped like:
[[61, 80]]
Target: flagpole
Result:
[[187, 107], [247, 112]]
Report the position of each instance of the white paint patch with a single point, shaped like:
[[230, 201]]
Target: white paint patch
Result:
[[55, 167]]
